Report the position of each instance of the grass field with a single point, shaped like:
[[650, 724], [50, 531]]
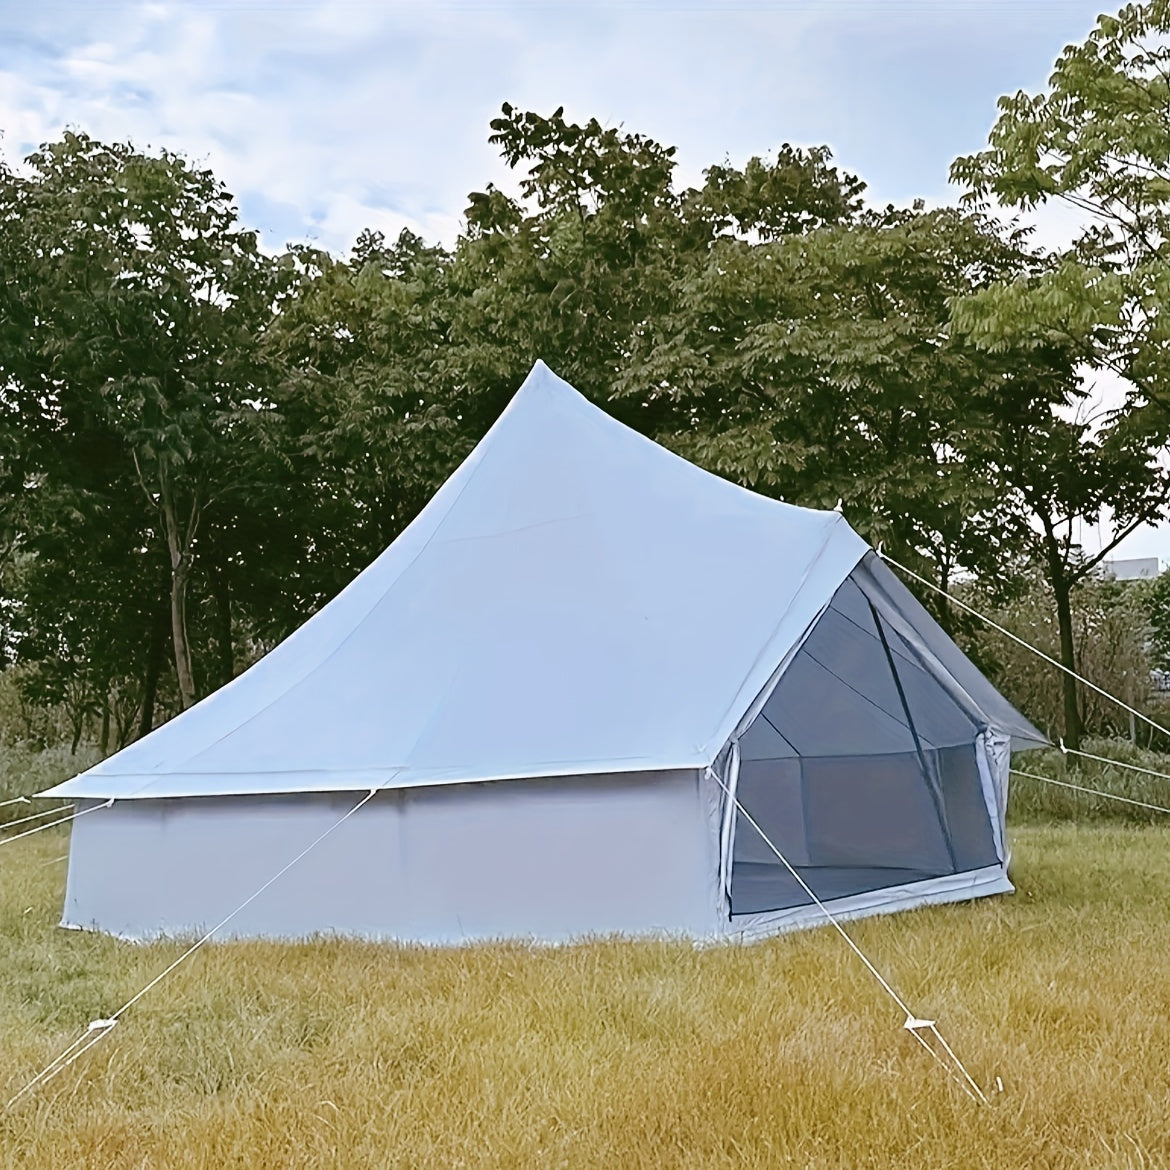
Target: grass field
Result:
[[614, 1054]]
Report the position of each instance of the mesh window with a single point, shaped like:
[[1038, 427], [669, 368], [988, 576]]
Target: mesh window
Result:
[[861, 768]]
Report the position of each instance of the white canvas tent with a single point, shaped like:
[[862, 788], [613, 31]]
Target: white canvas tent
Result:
[[554, 678]]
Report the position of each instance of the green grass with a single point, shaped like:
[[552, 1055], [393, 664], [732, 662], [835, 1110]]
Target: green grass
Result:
[[1033, 802], [25, 769], [343, 1054]]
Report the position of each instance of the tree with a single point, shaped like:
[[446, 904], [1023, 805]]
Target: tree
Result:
[[1109, 618], [1155, 597], [1099, 140], [1051, 470], [371, 414], [573, 270], [194, 434], [822, 367], [601, 249], [140, 301]]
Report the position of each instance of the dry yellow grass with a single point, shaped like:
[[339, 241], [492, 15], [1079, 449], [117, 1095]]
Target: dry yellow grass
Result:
[[786, 1053]]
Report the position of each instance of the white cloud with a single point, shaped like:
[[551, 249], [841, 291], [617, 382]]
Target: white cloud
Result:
[[321, 109]]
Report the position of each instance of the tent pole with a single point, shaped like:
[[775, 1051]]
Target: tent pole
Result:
[[932, 787]]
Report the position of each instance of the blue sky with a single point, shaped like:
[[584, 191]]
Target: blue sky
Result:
[[327, 116]]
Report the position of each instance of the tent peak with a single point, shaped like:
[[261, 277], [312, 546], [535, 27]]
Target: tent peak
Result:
[[541, 382], [543, 377]]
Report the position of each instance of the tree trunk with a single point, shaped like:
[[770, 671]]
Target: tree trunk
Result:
[[104, 743], [154, 660], [179, 547], [946, 616], [1062, 594], [184, 671], [124, 721], [222, 597], [1072, 707]]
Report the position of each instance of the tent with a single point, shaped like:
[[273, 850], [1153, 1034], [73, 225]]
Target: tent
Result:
[[562, 683]]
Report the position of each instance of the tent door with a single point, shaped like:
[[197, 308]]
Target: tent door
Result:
[[865, 769]]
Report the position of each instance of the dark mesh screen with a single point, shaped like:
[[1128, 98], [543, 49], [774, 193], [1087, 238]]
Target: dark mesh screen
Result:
[[861, 768]]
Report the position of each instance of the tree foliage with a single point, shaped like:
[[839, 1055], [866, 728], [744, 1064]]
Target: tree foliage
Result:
[[1112, 629], [139, 300], [1098, 139], [200, 444]]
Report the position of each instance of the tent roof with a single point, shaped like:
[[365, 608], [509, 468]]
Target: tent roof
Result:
[[574, 599]]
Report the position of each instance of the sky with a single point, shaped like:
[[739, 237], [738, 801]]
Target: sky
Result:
[[324, 117]]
